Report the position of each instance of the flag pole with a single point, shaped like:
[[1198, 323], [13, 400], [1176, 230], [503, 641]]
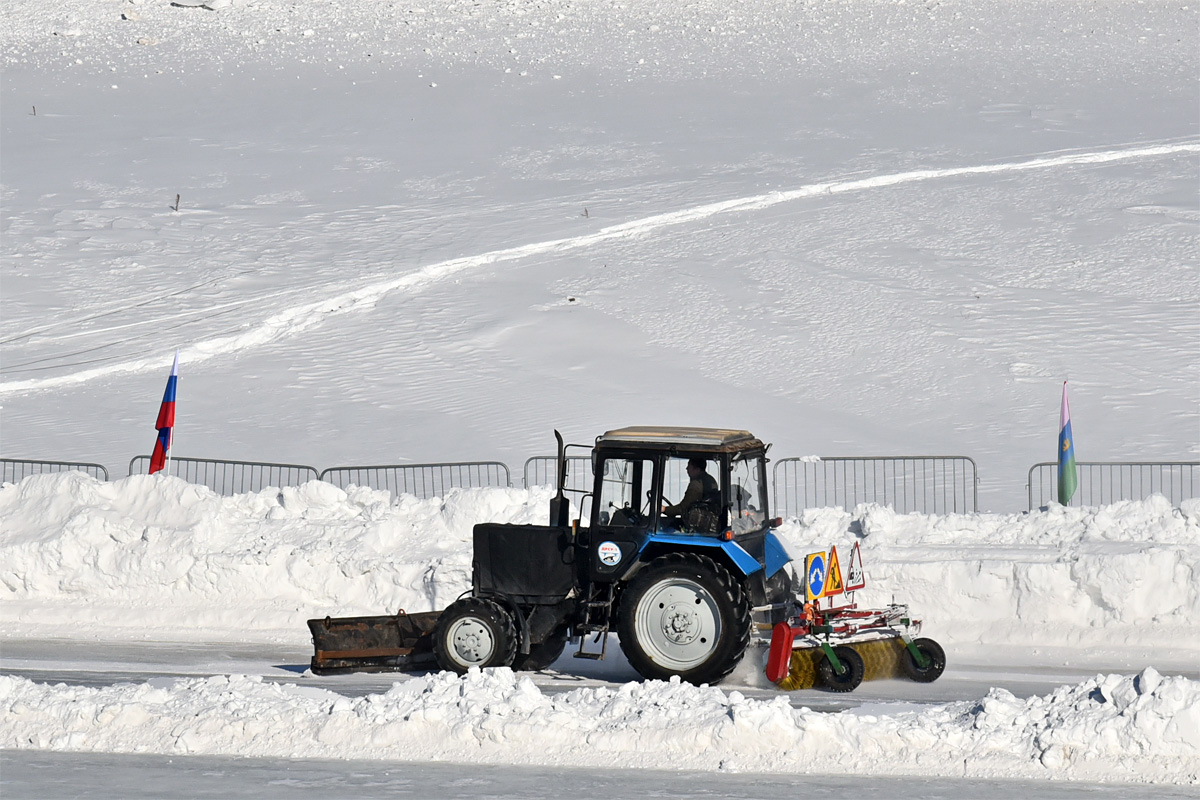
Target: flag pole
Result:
[[160, 459], [171, 436], [1068, 475]]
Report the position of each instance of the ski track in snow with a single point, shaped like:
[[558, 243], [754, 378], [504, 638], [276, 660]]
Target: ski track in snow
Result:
[[301, 318]]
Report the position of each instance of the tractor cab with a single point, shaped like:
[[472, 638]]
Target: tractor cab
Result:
[[659, 490], [644, 476]]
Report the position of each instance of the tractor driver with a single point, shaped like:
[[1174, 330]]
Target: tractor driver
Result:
[[702, 494]]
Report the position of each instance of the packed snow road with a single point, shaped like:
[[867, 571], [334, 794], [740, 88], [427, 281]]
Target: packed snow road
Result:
[[90, 776], [101, 664]]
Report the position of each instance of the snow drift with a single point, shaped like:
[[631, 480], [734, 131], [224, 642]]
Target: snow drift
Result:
[[158, 555], [155, 556], [1143, 727]]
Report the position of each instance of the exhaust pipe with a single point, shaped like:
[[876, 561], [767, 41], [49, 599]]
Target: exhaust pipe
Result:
[[560, 509]]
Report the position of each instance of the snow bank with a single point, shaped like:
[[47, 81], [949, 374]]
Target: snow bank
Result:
[[1127, 574], [162, 558], [1135, 728], [157, 557]]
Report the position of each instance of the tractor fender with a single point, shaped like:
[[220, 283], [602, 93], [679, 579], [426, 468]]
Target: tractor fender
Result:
[[775, 554], [743, 562], [767, 549]]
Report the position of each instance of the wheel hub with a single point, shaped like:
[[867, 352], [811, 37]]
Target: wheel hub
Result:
[[472, 641], [681, 624]]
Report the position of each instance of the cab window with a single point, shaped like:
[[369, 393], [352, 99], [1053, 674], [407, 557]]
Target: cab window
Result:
[[746, 495], [691, 494], [625, 492]]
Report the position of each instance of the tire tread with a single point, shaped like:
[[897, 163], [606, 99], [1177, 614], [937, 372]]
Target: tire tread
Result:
[[483, 609], [937, 657], [734, 594]]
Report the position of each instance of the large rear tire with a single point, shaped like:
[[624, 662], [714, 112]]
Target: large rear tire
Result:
[[474, 632], [935, 657], [684, 614]]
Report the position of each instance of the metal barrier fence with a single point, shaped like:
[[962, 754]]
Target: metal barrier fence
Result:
[[230, 477], [923, 484], [422, 480], [14, 469], [539, 471], [1103, 482]]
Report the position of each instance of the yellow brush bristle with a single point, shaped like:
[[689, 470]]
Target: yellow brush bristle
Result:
[[881, 660]]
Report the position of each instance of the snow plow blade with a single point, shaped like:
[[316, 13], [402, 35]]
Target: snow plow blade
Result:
[[394, 643]]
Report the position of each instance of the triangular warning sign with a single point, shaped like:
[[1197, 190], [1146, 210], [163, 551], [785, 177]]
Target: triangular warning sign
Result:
[[833, 583], [856, 579]]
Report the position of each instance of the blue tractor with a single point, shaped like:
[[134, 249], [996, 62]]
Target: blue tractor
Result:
[[674, 551], [674, 554]]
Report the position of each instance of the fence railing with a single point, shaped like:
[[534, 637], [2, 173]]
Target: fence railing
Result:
[[422, 480], [540, 471], [923, 484], [1103, 482], [230, 477], [14, 469]]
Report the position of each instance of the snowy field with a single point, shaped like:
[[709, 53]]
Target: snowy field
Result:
[[435, 231], [854, 228]]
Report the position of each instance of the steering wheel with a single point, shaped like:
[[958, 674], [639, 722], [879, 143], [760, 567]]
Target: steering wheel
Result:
[[626, 515]]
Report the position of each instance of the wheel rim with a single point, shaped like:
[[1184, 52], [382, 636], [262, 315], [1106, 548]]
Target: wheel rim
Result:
[[471, 642], [678, 623]]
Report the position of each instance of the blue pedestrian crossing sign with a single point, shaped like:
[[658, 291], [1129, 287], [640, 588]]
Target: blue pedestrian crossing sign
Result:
[[815, 572]]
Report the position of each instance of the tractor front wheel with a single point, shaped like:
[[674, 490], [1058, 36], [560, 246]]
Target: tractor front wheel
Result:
[[474, 632], [684, 614], [935, 661]]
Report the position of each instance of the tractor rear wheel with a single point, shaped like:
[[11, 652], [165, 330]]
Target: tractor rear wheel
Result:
[[474, 632], [684, 614], [853, 670], [543, 655], [935, 658]]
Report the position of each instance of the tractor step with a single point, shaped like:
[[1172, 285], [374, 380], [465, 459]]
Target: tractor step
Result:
[[596, 616], [601, 632]]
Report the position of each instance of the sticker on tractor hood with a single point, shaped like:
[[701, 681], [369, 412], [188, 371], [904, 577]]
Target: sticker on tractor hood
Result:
[[610, 554]]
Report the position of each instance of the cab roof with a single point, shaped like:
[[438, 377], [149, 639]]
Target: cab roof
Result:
[[718, 440]]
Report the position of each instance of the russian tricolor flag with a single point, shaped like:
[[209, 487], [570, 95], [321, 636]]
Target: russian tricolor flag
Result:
[[166, 421]]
